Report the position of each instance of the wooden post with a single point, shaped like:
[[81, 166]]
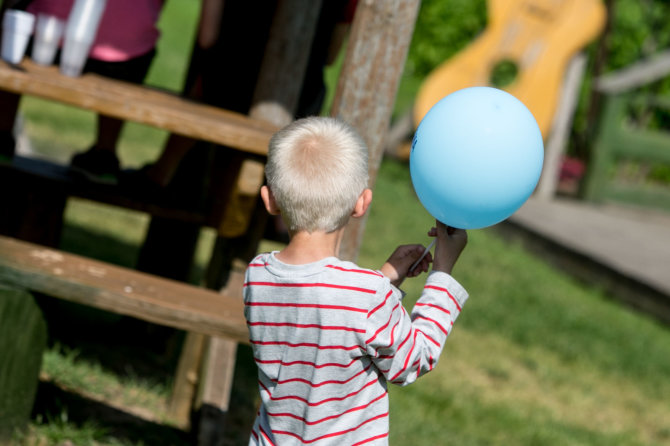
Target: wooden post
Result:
[[275, 100], [285, 61], [380, 37], [560, 128]]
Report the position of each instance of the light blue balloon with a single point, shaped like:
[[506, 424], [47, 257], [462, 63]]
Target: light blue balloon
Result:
[[476, 157]]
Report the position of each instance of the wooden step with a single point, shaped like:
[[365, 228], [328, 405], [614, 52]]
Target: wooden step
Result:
[[121, 290], [141, 104]]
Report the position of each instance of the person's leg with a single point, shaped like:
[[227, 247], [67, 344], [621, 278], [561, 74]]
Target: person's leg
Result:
[[241, 33], [163, 170], [109, 131], [100, 163], [8, 110]]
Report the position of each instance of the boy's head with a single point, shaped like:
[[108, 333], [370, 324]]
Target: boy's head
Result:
[[316, 171]]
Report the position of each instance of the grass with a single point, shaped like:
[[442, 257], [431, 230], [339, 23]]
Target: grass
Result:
[[536, 358]]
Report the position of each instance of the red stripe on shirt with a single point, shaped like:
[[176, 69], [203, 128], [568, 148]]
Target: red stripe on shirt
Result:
[[306, 344], [409, 355], [290, 324], [267, 437], [383, 327], [318, 403], [433, 287], [309, 363], [430, 339], [444, 330], [351, 270], [323, 383], [328, 418], [437, 307], [381, 304], [332, 434], [368, 440], [297, 305], [310, 285]]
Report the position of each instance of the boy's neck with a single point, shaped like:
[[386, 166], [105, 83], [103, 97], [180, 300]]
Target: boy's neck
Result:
[[308, 247]]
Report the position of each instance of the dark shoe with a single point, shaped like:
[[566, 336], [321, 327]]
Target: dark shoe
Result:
[[99, 166], [7, 147], [136, 183]]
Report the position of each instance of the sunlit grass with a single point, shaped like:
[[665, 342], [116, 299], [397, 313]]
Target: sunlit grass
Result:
[[136, 394]]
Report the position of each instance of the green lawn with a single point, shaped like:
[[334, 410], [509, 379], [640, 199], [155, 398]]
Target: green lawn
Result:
[[535, 359]]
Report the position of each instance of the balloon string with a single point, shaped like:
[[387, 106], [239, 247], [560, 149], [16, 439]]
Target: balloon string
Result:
[[425, 251]]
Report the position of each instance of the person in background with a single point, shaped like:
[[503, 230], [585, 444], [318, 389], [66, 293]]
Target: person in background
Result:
[[123, 49]]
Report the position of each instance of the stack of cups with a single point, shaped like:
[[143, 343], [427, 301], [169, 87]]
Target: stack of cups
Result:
[[82, 26], [17, 27], [48, 32]]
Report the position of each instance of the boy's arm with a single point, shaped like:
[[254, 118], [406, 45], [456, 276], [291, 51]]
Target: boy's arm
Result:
[[405, 346]]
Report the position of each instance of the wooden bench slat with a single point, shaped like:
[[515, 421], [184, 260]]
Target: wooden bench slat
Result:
[[121, 290], [140, 104]]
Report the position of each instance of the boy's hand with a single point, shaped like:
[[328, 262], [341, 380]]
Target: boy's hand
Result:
[[397, 266], [450, 244]]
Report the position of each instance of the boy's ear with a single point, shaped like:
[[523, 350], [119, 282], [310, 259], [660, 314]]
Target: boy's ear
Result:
[[269, 201], [363, 203]]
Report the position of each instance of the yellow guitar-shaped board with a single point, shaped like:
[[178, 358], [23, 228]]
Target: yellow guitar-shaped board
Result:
[[538, 36]]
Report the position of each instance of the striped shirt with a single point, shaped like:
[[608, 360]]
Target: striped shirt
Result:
[[327, 336]]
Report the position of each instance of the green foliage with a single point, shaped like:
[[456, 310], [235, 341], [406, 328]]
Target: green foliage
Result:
[[639, 29], [503, 73], [443, 28]]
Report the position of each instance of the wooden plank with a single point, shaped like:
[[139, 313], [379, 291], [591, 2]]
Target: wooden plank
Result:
[[376, 53], [636, 75], [186, 379], [285, 61], [140, 104], [121, 290]]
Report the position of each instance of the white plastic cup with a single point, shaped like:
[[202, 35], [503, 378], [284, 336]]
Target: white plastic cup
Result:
[[17, 27], [48, 34], [82, 26]]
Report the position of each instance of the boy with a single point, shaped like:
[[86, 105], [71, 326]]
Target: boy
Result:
[[326, 334]]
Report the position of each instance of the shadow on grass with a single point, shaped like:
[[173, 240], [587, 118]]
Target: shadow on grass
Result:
[[120, 344], [52, 400], [131, 348]]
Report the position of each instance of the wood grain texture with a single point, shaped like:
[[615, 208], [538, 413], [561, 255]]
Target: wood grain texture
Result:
[[366, 90], [121, 290], [140, 104]]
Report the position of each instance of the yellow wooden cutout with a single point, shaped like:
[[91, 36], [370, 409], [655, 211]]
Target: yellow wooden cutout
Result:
[[538, 36]]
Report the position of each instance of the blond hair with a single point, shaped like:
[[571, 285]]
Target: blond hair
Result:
[[317, 168]]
